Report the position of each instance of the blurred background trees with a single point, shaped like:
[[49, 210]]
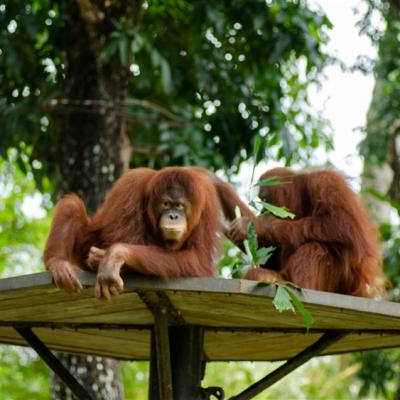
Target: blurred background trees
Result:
[[89, 88], [381, 152]]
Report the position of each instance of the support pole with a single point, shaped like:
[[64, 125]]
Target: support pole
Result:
[[325, 341], [162, 355], [176, 354], [54, 363], [186, 344], [154, 391]]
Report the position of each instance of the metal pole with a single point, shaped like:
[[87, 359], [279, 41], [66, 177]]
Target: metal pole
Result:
[[315, 349], [54, 363]]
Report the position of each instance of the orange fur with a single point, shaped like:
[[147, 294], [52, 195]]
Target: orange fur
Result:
[[331, 245], [126, 227]]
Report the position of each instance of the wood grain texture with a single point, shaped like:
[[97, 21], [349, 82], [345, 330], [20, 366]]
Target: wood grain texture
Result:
[[238, 316]]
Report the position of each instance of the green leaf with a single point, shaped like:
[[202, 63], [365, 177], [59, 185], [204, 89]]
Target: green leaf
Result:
[[280, 212], [109, 50], [155, 57], [253, 242], [256, 148], [308, 318], [166, 76], [123, 50], [137, 43], [282, 300], [268, 182], [264, 253], [286, 299], [22, 165], [291, 284]]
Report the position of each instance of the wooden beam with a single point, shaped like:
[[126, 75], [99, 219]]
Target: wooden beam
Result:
[[186, 344], [54, 363], [215, 329], [162, 354], [138, 283], [295, 362]]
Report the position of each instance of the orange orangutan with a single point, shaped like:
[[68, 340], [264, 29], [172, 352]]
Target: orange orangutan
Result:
[[330, 245], [165, 223]]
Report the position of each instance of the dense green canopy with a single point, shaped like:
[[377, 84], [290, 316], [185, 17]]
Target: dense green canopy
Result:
[[202, 78]]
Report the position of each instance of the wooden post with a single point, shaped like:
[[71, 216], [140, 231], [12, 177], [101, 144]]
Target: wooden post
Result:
[[154, 391], [186, 344], [186, 355], [161, 357]]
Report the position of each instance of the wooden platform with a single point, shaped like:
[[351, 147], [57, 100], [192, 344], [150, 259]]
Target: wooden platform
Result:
[[239, 319]]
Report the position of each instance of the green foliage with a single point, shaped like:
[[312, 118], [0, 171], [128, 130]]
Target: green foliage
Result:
[[379, 373], [322, 378], [212, 77], [286, 299], [268, 182], [298, 305], [268, 208], [135, 377], [391, 238], [22, 234], [280, 212], [257, 256], [231, 70], [27, 79], [380, 369], [232, 263], [383, 124], [22, 374]]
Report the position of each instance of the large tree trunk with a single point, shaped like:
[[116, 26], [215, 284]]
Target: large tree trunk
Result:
[[91, 140], [381, 152]]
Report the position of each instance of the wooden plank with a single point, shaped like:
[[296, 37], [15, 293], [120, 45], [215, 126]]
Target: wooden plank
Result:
[[129, 345], [219, 346], [214, 285], [237, 286], [218, 309], [257, 346], [205, 302], [226, 346], [364, 342], [28, 292], [201, 308], [133, 344], [83, 306]]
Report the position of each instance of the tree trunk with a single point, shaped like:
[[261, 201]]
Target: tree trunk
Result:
[[377, 176], [381, 150], [91, 140], [381, 147]]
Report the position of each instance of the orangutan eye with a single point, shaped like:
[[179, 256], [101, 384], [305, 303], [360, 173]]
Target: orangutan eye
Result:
[[180, 206], [165, 204]]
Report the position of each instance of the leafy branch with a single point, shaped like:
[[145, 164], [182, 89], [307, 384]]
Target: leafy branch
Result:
[[286, 298], [254, 256]]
